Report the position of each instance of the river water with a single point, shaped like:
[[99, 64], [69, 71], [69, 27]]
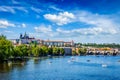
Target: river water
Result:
[[63, 68]]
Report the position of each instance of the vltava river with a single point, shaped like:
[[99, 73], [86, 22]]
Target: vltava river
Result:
[[63, 68]]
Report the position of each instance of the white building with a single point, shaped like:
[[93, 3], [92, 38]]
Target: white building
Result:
[[57, 43]]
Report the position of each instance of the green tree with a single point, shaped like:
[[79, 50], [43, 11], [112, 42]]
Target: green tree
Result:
[[50, 51], [74, 52], [40, 52], [56, 51], [82, 51], [29, 51], [24, 49], [16, 52], [44, 50], [62, 51], [5, 48], [36, 51], [2, 37], [21, 51]]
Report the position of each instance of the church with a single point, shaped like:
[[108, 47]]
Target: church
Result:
[[24, 39]]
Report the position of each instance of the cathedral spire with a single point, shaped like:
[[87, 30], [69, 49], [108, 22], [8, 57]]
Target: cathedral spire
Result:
[[21, 36]]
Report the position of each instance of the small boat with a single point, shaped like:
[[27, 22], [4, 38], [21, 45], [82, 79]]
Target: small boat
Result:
[[69, 61], [104, 65], [88, 60], [50, 62], [73, 59]]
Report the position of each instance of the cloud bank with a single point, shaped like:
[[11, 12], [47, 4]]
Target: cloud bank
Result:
[[5, 24], [61, 18]]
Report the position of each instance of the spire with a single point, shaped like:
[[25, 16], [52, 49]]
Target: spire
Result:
[[26, 36], [20, 36]]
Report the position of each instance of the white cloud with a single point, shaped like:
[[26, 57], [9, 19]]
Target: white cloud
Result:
[[36, 9], [43, 29], [86, 31], [23, 25], [12, 9], [87, 35], [63, 31], [55, 8], [8, 31], [21, 9], [15, 2], [5, 24], [99, 29], [7, 9], [61, 18], [103, 22], [98, 24]]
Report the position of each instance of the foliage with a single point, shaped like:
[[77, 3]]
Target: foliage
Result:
[[36, 51], [20, 51], [50, 51], [5, 48], [62, 51], [16, 52], [56, 51], [29, 51], [74, 52], [45, 50], [2, 37], [82, 51], [112, 45]]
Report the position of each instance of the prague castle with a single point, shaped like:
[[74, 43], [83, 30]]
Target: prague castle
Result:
[[25, 39]]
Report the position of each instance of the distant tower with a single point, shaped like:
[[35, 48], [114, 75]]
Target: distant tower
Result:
[[21, 36], [25, 35]]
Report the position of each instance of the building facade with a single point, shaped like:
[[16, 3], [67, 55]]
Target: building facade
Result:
[[57, 43]]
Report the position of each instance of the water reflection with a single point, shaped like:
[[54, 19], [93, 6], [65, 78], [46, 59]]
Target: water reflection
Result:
[[5, 67], [36, 60], [39, 59]]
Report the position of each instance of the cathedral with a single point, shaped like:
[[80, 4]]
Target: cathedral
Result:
[[25, 39]]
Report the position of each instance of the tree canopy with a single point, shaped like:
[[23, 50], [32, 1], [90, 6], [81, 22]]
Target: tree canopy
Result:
[[5, 48]]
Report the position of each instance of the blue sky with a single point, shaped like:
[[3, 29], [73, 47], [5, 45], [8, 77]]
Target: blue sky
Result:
[[85, 21]]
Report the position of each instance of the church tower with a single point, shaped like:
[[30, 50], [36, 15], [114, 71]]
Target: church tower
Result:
[[21, 36]]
